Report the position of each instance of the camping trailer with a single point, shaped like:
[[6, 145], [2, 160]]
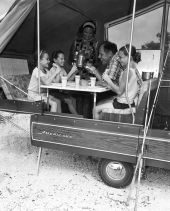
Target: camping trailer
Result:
[[117, 140]]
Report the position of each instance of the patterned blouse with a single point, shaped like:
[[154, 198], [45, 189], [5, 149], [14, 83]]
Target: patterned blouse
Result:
[[115, 69]]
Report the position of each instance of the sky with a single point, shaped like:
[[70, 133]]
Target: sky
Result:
[[145, 29], [5, 5]]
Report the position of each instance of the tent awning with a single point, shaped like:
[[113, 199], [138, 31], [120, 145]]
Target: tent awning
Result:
[[58, 22]]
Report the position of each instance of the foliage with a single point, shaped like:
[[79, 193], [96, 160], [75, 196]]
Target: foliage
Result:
[[152, 45]]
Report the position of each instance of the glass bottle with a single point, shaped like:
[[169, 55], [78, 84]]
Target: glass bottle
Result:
[[80, 59]]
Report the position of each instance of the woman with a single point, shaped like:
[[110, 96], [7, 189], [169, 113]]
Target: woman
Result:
[[85, 43], [120, 104], [58, 68]]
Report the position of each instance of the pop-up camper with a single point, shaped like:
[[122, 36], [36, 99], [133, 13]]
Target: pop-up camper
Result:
[[121, 142]]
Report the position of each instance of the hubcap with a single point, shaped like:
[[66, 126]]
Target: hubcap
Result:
[[115, 170]]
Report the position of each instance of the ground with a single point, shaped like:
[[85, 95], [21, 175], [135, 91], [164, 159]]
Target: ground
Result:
[[66, 181]]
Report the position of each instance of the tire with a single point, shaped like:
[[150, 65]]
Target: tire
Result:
[[106, 168]]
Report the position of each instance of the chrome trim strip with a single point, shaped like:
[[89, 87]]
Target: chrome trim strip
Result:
[[155, 139], [168, 161], [18, 111], [85, 119], [103, 132], [89, 130], [83, 147]]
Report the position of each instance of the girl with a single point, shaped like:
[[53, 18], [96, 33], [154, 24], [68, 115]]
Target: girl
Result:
[[45, 78], [59, 71], [120, 103]]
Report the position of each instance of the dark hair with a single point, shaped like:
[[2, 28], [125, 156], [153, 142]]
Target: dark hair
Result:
[[135, 55], [55, 54], [91, 24], [109, 46]]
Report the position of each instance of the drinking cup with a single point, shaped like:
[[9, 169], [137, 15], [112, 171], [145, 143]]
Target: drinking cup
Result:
[[77, 80], [83, 82], [64, 81], [92, 81]]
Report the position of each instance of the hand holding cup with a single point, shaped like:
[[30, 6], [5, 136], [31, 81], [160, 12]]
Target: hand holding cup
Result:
[[90, 68], [73, 69]]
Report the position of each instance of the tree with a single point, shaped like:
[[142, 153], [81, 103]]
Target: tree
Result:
[[152, 45], [156, 45]]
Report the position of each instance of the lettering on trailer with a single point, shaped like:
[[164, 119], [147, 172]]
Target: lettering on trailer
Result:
[[84, 138], [58, 134]]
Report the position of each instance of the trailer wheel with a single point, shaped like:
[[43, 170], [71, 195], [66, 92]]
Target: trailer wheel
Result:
[[114, 173]]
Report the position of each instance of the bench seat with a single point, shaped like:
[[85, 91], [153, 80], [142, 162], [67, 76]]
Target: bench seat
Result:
[[140, 107]]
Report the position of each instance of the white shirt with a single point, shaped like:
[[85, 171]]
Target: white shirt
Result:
[[34, 83], [62, 72], [133, 86]]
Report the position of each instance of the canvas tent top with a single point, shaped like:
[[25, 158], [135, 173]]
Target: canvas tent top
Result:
[[59, 21]]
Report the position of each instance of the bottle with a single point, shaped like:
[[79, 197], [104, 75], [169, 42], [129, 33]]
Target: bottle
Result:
[[80, 59], [75, 57]]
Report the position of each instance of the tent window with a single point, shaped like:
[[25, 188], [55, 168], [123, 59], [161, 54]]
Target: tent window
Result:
[[166, 75], [147, 30]]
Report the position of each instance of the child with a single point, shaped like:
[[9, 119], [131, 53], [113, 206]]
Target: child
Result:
[[45, 78], [58, 68]]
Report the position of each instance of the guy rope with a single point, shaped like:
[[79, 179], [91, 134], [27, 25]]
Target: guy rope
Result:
[[139, 164]]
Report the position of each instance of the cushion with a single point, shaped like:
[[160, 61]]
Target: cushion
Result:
[[20, 81], [117, 117]]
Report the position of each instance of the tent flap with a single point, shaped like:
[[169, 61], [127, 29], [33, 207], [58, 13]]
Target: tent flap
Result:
[[59, 22], [13, 20]]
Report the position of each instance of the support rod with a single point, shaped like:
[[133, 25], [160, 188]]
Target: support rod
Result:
[[38, 42], [129, 58]]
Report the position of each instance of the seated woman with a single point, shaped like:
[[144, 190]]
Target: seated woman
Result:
[[120, 104], [45, 78], [59, 71]]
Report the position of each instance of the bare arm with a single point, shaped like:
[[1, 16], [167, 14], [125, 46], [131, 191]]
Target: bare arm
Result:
[[110, 84], [49, 78], [91, 69], [72, 72], [97, 74], [122, 83]]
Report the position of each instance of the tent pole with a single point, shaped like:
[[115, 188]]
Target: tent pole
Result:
[[38, 42], [130, 49]]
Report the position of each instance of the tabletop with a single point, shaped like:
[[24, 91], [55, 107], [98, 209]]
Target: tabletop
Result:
[[72, 87]]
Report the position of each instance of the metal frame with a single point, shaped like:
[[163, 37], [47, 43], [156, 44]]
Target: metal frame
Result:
[[137, 14]]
